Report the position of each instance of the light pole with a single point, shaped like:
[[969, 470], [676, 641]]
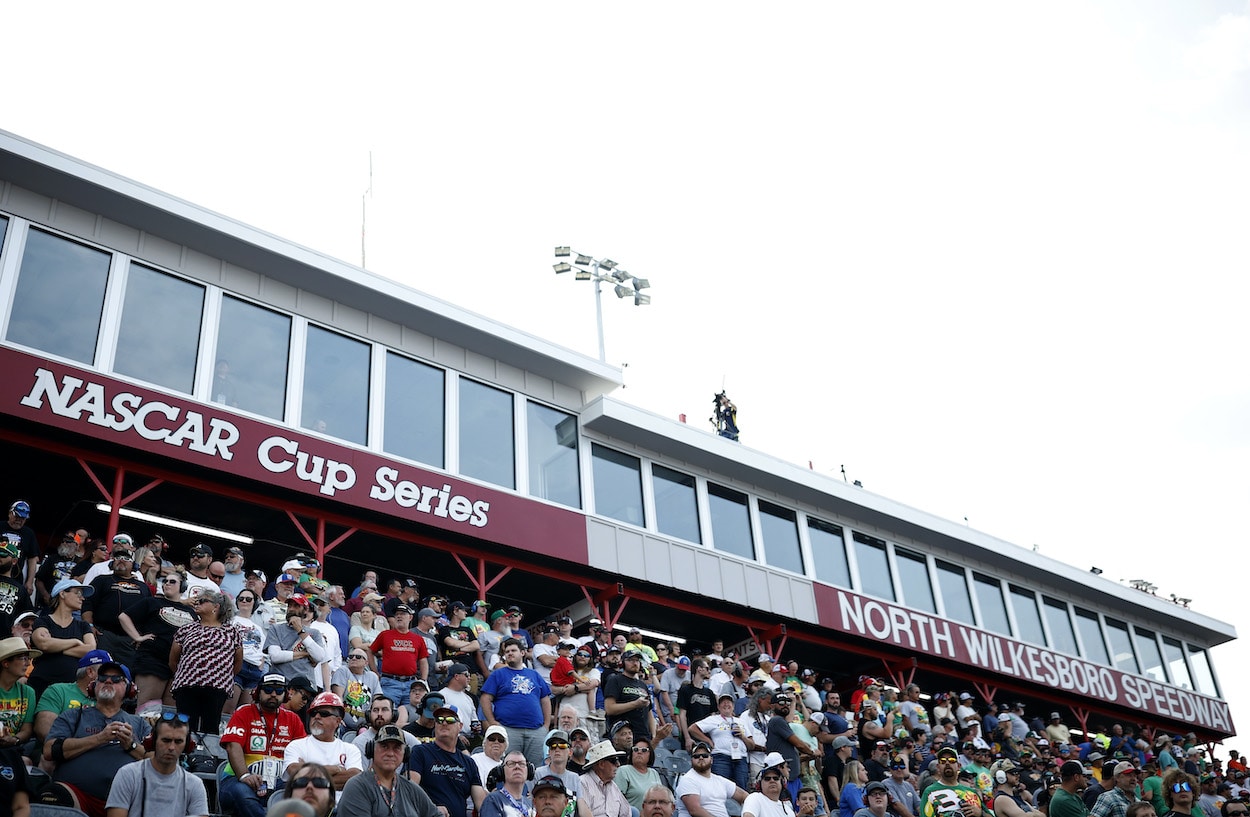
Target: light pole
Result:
[[585, 268]]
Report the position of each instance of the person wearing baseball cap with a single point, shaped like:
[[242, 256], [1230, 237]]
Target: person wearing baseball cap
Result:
[[1123, 792], [446, 774], [385, 792], [59, 698], [28, 546], [402, 654], [947, 795], [342, 759], [550, 796]]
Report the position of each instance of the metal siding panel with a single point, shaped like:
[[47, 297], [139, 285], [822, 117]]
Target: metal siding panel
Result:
[[707, 578], [779, 594], [539, 386], [682, 560], [657, 560], [510, 376], [733, 579], [417, 342], [315, 307], [76, 221], [479, 366], [125, 239], [804, 597], [200, 266], [159, 251], [279, 294], [240, 280], [601, 545], [449, 354], [385, 331], [350, 319], [22, 202], [756, 590], [568, 396]]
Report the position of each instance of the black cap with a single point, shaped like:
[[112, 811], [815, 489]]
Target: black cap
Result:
[[549, 782]]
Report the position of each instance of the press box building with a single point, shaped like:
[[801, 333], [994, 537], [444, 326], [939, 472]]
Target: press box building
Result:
[[166, 362]]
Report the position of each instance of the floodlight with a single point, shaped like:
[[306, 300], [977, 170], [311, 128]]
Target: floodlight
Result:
[[641, 300], [563, 252], [621, 275], [641, 283], [608, 264], [622, 291], [563, 266], [583, 275]]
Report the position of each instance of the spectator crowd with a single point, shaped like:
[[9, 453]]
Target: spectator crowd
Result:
[[130, 684]]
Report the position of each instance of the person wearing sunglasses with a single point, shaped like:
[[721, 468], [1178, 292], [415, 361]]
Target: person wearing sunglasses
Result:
[[447, 775], [89, 745], [603, 798], [158, 785], [559, 747], [255, 741], [342, 759], [383, 791], [151, 624], [310, 782], [1179, 793], [700, 792], [357, 685]]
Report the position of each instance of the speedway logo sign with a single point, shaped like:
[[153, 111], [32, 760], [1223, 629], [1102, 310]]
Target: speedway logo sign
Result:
[[920, 632], [211, 436]]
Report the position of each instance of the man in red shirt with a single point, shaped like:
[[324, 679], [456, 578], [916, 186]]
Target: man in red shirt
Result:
[[255, 742], [402, 656]]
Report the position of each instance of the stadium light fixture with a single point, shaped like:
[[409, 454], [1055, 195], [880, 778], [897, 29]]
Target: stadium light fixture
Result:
[[587, 268]]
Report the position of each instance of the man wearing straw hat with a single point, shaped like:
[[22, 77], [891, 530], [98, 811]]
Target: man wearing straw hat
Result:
[[17, 700]]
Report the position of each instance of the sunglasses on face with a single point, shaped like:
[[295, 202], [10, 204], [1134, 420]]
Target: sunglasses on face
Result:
[[446, 719], [305, 782], [356, 657], [561, 745], [1180, 787], [111, 679], [496, 739], [771, 778], [169, 716], [323, 713], [273, 690], [700, 756]]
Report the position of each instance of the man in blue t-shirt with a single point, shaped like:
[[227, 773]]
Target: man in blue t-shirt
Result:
[[519, 700]]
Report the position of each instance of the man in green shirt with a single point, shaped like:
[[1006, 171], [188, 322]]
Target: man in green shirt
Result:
[[59, 698], [1152, 789], [947, 797], [1066, 801]]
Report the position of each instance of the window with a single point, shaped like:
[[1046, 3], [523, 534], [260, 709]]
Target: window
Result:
[[779, 528], [414, 425], [336, 385], [1061, 634], [160, 331], [1174, 653], [552, 437], [1091, 637], [1121, 648], [953, 583], [59, 297], [618, 485], [487, 449], [1151, 658], [676, 504], [990, 599], [828, 553], [253, 349], [874, 567], [1028, 619], [731, 523], [1204, 679], [913, 574], [4, 229]]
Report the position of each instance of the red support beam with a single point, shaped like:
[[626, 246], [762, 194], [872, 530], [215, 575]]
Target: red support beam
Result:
[[900, 673], [116, 501], [480, 584], [600, 603], [986, 691]]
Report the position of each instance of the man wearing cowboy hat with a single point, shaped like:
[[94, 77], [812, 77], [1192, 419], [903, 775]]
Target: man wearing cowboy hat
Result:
[[17, 700], [599, 790]]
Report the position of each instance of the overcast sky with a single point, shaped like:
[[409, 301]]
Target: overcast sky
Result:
[[991, 257]]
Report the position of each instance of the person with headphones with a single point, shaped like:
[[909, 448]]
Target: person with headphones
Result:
[[1011, 798], [89, 745], [381, 712], [511, 798], [382, 791], [448, 775], [151, 624], [159, 786]]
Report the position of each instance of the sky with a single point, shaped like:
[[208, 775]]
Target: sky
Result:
[[988, 257]]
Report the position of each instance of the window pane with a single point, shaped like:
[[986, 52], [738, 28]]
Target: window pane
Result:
[[1028, 619], [1204, 679], [828, 553], [1060, 626], [874, 567], [160, 333], [553, 455], [731, 523], [990, 598], [1151, 658], [1175, 655], [486, 439], [1091, 637], [913, 574], [953, 583], [676, 504], [1121, 647], [414, 425], [253, 347], [4, 230], [618, 485], [60, 297], [779, 528], [336, 386]]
